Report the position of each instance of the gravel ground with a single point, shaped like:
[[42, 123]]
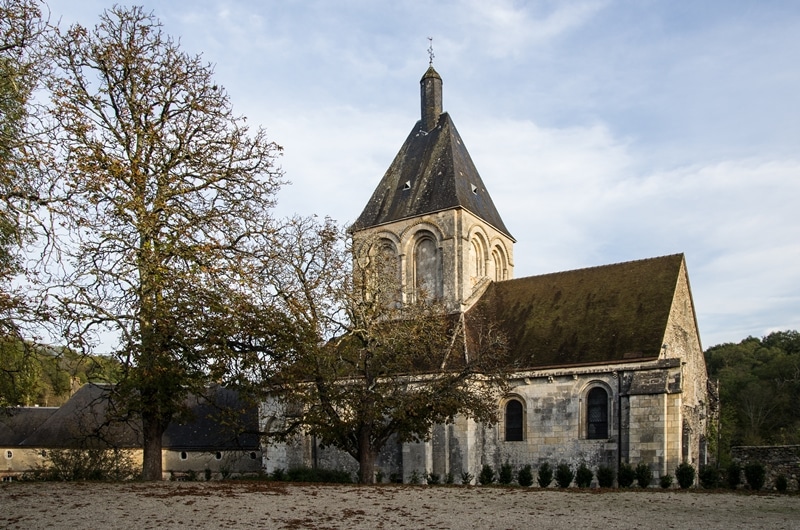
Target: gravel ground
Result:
[[280, 505]]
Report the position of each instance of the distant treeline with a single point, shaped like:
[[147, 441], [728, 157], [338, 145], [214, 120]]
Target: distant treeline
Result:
[[38, 375], [759, 390]]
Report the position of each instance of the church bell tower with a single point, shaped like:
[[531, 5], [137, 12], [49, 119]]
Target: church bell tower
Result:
[[432, 215]]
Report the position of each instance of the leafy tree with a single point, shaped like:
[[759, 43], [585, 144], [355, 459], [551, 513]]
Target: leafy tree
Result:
[[22, 155], [165, 194], [19, 373], [364, 368], [759, 385]]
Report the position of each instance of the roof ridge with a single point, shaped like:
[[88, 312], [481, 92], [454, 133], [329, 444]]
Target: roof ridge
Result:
[[593, 267]]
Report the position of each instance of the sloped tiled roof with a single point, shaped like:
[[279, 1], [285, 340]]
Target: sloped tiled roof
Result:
[[217, 421], [595, 315], [432, 172], [17, 423], [84, 422]]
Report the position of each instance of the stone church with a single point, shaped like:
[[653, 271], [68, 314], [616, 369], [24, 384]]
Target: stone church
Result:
[[613, 366]]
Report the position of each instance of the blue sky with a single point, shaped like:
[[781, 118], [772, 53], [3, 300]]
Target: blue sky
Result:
[[605, 131]]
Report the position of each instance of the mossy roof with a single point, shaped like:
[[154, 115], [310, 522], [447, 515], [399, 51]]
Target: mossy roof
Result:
[[595, 315], [432, 172]]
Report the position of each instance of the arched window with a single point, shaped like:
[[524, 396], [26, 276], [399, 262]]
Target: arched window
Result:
[[426, 268], [476, 260], [514, 421], [388, 268], [500, 264], [597, 414]]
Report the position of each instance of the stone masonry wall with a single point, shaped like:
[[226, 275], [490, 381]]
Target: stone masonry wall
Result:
[[777, 459]]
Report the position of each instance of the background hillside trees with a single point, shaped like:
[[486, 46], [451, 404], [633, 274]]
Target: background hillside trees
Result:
[[364, 368], [759, 386], [164, 194]]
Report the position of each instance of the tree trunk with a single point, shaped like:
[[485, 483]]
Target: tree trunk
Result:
[[366, 457], [151, 457]]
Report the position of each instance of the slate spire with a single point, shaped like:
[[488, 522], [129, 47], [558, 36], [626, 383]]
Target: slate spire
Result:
[[432, 171]]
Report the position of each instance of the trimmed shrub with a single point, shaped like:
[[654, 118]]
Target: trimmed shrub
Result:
[[506, 475], [487, 475], [605, 477], [583, 476], [545, 475], [415, 477], [466, 478], [709, 477], [564, 475], [643, 475], [307, 474], [755, 474], [781, 483], [665, 481], [685, 475], [626, 475], [733, 475], [525, 476]]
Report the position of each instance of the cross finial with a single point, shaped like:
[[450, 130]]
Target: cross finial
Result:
[[430, 51]]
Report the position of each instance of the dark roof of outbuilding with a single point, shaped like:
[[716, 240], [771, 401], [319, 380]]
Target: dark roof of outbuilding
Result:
[[432, 172], [219, 421], [17, 423], [588, 316], [85, 421], [216, 421]]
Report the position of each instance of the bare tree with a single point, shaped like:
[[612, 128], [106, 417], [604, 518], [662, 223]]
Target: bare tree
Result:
[[363, 367], [164, 194]]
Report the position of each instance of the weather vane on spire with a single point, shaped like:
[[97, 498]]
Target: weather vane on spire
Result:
[[430, 51]]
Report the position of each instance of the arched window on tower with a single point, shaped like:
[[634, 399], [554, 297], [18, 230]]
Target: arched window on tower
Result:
[[597, 414], [514, 421], [388, 269], [476, 261], [427, 280], [500, 264]]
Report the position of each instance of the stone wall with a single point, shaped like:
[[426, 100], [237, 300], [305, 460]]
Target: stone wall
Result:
[[777, 459]]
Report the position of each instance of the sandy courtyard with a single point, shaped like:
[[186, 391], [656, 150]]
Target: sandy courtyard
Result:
[[279, 505]]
